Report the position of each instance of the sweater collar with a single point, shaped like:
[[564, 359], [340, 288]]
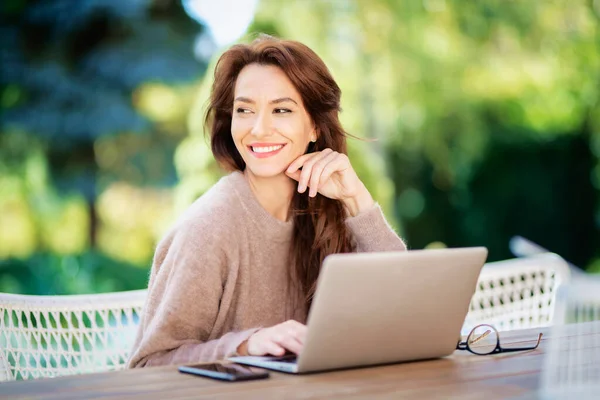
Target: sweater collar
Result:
[[272, 227]]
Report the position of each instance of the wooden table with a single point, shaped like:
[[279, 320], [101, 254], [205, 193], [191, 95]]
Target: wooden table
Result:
[[461, 375]]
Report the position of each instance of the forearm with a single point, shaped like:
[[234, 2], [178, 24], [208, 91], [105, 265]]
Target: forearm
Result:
[[372, 232], [193, 351]]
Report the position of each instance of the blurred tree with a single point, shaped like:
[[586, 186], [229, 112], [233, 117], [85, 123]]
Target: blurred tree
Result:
[[48, 274], [74, 72], [488, 112]]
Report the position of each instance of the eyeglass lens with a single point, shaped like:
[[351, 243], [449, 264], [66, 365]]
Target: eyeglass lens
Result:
[[483, 339]]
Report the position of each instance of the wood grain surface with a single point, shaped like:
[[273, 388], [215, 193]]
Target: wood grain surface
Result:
[[461, 375]]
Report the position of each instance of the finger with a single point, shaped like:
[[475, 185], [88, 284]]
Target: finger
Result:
[[317, 170], [336, 165], [273, 348], [297, 330], [257, 344], [295, 173], [298, 162], [293, 324], [289, 342], [298, 335], [307, 170], [302, 331], [295, 346]]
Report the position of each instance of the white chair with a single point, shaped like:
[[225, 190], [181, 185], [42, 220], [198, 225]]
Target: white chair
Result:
[[571, 368], [518, 293], [47, 336]]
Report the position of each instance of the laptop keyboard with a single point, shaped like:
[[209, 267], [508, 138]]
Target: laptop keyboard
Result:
[[287, 359]]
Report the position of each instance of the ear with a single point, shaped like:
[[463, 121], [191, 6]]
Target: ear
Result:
[[313, 135]]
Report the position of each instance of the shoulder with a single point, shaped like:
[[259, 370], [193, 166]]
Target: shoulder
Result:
[[210, 220], [215, 213], [219, 204], [204, 233], [197, 250]]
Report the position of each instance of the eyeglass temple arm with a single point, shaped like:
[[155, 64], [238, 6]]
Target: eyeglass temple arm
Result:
[[504, 350]]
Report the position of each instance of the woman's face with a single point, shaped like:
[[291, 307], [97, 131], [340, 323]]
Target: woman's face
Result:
[[269, 125]]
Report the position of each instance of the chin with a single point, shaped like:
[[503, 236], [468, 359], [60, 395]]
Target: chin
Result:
[[266, 171]]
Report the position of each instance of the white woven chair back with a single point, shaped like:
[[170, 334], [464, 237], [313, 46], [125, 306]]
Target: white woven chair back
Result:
[[571, 368], [518, 293], [47, 336]]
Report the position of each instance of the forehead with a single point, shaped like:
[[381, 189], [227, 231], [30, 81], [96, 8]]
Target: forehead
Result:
[[270, 81]]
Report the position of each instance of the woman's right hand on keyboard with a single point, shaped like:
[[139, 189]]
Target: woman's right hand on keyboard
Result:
[[276, 340]]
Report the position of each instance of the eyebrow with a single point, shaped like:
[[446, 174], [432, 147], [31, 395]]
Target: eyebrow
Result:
[[275, 101]]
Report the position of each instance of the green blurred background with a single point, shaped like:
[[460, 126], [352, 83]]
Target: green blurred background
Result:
[[486, 117]]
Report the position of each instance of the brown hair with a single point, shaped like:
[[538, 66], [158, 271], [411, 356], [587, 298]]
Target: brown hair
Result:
[[319, 228]]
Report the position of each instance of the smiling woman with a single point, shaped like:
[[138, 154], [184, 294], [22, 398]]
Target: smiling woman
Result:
[[237, 272], [269, 120]]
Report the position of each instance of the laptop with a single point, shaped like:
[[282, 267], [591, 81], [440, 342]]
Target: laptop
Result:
[[381, 308]]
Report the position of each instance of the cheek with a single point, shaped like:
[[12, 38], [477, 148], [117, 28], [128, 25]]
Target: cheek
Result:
[[294, 129], [237, 128]]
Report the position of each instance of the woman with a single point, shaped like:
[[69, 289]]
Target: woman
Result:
[[237, 272]]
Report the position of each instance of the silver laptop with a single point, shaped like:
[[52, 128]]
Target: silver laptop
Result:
[[379, 308]]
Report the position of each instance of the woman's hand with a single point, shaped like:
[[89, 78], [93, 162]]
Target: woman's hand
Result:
[[330, 173], [276, 340]]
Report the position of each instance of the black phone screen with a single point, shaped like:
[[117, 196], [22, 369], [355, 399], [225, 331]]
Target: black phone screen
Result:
[[228, 372]]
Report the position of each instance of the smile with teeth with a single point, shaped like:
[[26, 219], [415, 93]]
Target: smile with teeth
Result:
[[267, 149]]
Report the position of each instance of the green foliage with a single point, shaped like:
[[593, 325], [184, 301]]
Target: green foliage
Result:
[[485, 115], [93, 101], [488, 112], [87, 77], [50, 274]]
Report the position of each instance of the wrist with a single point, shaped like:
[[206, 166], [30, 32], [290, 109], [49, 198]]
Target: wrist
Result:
[[359, 203]]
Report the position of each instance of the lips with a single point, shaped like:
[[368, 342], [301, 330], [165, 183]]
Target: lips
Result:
[[264, 150]]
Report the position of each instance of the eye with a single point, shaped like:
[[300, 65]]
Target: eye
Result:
[[282, 111], [240, 110]]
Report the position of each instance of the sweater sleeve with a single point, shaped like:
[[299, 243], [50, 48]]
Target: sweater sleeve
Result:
[[372, 232], [184, 293]]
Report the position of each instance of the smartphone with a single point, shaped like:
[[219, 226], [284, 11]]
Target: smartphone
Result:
[[225, 372]]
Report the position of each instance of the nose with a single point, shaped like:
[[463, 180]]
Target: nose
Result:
[[262, 125]]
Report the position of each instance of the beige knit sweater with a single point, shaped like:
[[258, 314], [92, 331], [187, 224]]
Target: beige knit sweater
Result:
[[220, 274]]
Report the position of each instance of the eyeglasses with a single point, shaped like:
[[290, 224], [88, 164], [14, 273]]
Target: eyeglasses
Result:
[[484, 339]]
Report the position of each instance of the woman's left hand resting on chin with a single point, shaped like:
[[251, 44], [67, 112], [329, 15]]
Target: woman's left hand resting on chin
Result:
[[330, 173]]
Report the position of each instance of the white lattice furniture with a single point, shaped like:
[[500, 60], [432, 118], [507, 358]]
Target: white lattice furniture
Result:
[[572, 367], [517, 293], [47, 336]]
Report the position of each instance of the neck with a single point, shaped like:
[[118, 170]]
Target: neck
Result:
[[273, 193]]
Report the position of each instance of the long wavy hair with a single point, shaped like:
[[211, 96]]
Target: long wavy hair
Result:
[[319, 228]]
